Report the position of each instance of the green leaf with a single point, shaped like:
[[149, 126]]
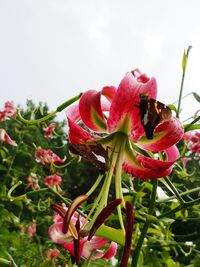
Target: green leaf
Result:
[[196, 96], [172, 107]]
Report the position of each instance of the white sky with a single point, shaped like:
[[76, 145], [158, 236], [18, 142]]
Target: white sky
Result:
[[50, 50]]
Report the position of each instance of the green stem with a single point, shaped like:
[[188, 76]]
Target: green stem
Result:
[[180, 207], [174, 190], [136, 253], [94, 185], [5, 262], [182, 81], [59, 109], [118, 182], [181, 194]]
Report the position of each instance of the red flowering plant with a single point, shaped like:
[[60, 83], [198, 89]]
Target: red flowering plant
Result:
[[137, 146], [123, 139]]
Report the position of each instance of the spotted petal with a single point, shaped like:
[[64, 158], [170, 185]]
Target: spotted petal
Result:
[[91, 110], [124, 112], [145, 167]]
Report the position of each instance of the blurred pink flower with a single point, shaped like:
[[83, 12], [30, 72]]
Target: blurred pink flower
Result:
[[32, 229], [32, 182], [95, 248], [53, 180], [192, 139], [9, 111], [48, 132], [4, 137], [52, 253], [46, 157]]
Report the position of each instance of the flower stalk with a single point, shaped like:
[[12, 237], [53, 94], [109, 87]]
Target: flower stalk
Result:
[[136, 252]]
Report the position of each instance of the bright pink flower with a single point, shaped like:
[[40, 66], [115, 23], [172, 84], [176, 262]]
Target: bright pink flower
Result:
[[53, 180], [9, 111], [52, 253], [93, 248], [48, 132], [4, 137], [46, 157], [32, 229], [116, 111]]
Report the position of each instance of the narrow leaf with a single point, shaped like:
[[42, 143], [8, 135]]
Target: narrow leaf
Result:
[[196, 96]]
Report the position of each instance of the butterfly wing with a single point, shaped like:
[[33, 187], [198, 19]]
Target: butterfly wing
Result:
[[152, 112]]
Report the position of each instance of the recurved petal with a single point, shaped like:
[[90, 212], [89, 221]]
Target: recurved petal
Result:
[[124, 110], [149, 168], [166, 134], [91, 111], [77, 135], [111, 251]]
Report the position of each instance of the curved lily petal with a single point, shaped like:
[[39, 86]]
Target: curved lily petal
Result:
[[77, 135], [56, 234], [109, 92], [145, 167], [91, 111], [69, 246], [72, 113], [166, 134], [124, 112], [111, 251]]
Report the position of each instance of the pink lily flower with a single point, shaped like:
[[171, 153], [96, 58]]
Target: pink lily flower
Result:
[[9, 111], [52, 253], [192, 140], [93, 248], [32, 229], [46, 157], [119, 112], [32, 182], [4, 137], [53, 180], [48, 132]]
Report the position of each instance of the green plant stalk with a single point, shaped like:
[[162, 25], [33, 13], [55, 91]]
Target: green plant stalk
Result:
[[182, 82], [59, 109], [136, 252], [174, 190], [180, 207], [181, 194]]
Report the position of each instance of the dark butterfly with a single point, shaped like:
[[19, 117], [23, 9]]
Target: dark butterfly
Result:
[[96, 154], [152, 113]]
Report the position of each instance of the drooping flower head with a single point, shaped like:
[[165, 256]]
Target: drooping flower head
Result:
[[46, 157], [53, 180], [192, 139], [118, 111], [8, 111], [4, 137], [32, 229], [48, 131]]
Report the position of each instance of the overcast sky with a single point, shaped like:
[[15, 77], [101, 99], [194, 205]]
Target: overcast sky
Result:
[[50, 50]]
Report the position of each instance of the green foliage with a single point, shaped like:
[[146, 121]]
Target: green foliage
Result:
[[172, 239]]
